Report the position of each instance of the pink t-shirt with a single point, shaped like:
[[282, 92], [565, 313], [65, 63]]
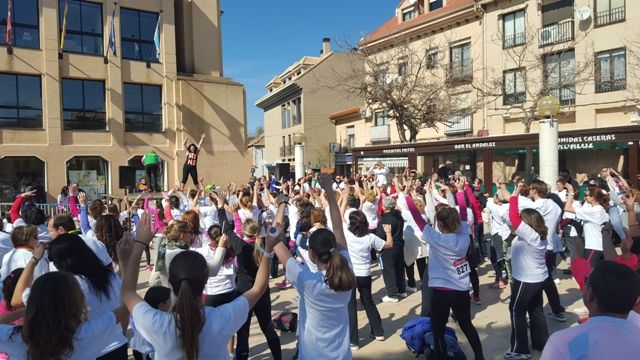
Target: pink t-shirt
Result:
[[601, 337], [3, 310]]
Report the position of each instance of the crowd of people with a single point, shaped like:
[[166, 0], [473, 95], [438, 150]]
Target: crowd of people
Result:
[[70, 282]]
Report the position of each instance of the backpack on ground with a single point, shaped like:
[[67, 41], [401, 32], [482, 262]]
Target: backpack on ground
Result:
[[413, 334], [286, 321]]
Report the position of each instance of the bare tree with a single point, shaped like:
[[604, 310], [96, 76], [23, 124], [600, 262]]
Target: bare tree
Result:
[[409, 83], [533, 66], [633, 68]]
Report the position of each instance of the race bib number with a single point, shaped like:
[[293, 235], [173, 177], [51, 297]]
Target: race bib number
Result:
[[462, 267]]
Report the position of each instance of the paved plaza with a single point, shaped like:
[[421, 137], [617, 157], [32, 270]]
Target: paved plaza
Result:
[[491, 319]]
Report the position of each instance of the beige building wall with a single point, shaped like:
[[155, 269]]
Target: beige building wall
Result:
[[192, 104], [320, 97]]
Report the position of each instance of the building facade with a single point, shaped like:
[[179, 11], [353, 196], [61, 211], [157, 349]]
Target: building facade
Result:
[[73, 111], [300, 100], [580, 51], [256, 149]]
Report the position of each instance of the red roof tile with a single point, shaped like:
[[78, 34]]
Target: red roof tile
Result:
[[392, 26]]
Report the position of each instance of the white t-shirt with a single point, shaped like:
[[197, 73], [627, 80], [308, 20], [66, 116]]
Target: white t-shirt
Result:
[[208, 217], [327, 214], [225, 281], [98, 305], [245, 214], [448, 264], [5, 245], [19, 258], [498, 215], [528, 255], [370, 210], [550, 212], [592, 219], [323, 324], [221, 323], [381, 176], [88, 343], [601, 337], [294, 217], [360, 251]]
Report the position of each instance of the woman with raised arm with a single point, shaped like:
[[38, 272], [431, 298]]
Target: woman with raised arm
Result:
[[55, 320], [323, 325], [529, 268], [191, 330], [449, 270], [190, 166]]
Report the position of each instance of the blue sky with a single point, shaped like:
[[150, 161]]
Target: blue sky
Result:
[[262, 38]]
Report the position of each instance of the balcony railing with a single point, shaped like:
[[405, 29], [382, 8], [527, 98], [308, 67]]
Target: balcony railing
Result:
[[460, 72], [514, 40], [611, 85], [556, 33], [379, 133], [458, 124], [610, 16], [566, 95]]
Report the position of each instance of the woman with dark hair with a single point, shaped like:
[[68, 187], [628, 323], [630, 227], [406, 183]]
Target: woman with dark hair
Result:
[[109, 231], [360, 242], [99, 284], [190, 166], [449, 271], [55, 320], [593, 214], [191, 330], [323, 327], [63, 198]]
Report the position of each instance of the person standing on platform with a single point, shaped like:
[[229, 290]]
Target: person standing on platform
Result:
[[190, 166], [151, 160]]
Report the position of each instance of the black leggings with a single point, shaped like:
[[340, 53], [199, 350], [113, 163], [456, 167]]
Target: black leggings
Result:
[[364, 288], [220, 299], [549, 286], [527, 298], [262, 309], [497, 256], [472, 256], [393, 271], [441, 303], [117, 354], [411, 277], [190, 170]]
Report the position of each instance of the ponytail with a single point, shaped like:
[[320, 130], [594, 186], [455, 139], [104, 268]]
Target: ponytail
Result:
[[339, 274], [189, 319], [188, 274]]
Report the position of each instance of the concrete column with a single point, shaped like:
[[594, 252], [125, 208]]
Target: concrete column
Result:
[[548, 145], [299, 155]]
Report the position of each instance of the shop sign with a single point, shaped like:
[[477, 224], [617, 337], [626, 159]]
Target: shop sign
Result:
[[478, 145], [583, 142], [399, 151]]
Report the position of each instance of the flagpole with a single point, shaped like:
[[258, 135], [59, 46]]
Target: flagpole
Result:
[[63, 33]]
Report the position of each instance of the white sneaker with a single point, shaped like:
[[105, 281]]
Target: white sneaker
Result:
[[354, 347], [403, 295], [412, 289], [387, 299], [556, 280]]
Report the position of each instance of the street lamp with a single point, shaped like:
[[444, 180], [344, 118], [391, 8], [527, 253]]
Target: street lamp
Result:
[[299, 139], [548, 107]]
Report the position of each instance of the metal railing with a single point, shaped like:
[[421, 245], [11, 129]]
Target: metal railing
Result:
[[458, 124], [50, 210], [610, 16], [379, 133], [566, 95], [513, 40], [556, 33], [611, 85]]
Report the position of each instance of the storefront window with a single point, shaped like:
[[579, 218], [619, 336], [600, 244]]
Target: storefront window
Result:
[[91, 173], [19, 173]]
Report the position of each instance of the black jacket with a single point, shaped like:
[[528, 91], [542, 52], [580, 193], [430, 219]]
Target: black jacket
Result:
[[397, 227]]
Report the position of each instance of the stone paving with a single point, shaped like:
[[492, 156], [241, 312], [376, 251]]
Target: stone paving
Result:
[[491, 319]]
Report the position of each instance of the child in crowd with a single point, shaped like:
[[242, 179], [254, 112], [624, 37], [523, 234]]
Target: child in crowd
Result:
[[8, 287]]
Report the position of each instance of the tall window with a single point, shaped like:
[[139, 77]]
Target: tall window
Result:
[[381, 118], [351, 137], [83, 104], [435, 4], [138, 28], [409, 14], [19, 172], [461, 69], [20, 101], [91, 173], [560, 72], [24, 21], [296, 111], [432, 59], [84, 27], [142, 108], [609, 11], [403, 66], [611, 70], [513, 29], [514, 87]]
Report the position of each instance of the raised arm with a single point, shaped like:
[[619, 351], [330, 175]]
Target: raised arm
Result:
[[200, 142], [73, 206], [629, 202], [514, 213], [14, 212], [338, 231], [280, 249], [84, 217], [218, 258], [129, 253], [462, 202], [568, 206], [26, 278]]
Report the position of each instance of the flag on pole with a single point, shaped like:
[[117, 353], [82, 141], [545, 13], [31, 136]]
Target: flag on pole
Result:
[[156, 37], [112, 32], [64, 24], [8, 34]]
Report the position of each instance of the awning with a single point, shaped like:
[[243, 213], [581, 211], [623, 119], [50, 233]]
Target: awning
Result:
[[388, 162]]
